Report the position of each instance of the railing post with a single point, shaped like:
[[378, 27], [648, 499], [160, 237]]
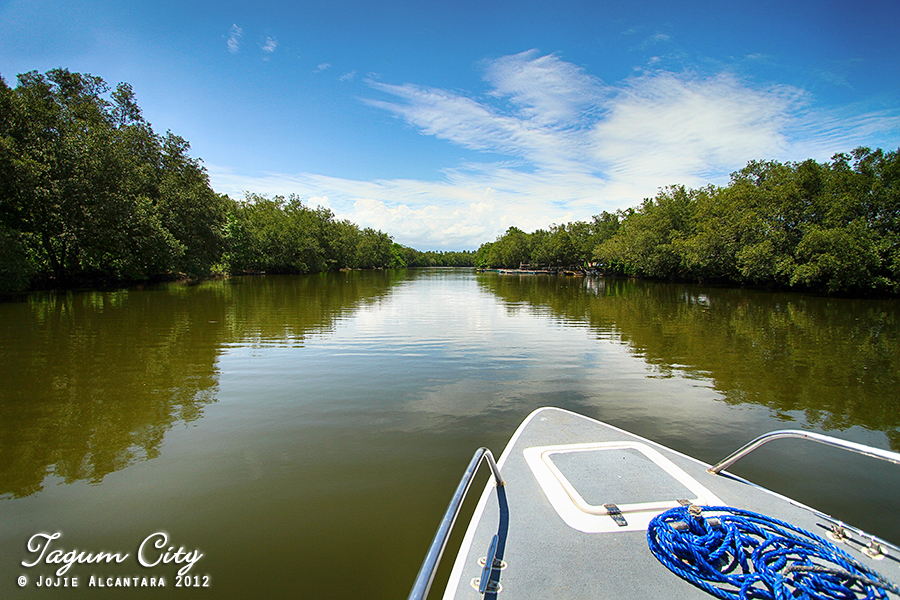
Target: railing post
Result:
[[429, 566]]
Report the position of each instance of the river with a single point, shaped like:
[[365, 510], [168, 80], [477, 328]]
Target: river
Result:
[[304, 434]]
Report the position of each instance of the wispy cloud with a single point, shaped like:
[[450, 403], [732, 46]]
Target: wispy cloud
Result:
[[270, 45], [322, 67], [667, 127], [576, 146], [234, 39], [552, 101], [347, 76], [656, 38], [546, 90]]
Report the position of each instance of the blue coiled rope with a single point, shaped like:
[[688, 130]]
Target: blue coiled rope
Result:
[[738, 554]]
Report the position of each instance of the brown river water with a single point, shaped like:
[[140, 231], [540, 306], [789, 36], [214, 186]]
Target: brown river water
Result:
[[300, 437]]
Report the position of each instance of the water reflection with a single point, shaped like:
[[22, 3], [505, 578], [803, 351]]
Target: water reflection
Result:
[[835, 361], [338, 411], [91, 382]]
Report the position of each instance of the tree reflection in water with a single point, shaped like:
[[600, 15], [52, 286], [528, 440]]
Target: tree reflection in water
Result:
[[92, 381], [835, 360]]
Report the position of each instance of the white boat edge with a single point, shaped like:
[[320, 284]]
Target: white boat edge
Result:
[[455, 579]]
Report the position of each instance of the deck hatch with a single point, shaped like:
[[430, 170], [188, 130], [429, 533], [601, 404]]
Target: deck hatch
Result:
[[580, 479], [617, 475]]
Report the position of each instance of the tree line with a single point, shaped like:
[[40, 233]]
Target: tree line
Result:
[[410, 257], [88, 191], [829, 227], [569, 245], [279, 235], [90, 194]]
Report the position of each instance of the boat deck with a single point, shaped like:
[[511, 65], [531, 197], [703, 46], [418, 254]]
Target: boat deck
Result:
[[556, 538]]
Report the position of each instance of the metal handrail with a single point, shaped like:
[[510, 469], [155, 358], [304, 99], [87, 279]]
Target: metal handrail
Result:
[[433, 558], [887, 455]]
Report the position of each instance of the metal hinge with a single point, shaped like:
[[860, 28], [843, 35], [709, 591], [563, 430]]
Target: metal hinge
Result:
[[616, 514]]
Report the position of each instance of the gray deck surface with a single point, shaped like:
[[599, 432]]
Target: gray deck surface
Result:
[[548, 559]]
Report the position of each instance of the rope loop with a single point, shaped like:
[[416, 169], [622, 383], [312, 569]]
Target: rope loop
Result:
[[737, 554]]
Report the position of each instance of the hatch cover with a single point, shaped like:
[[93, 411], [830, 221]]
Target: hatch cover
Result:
[[596, 487]]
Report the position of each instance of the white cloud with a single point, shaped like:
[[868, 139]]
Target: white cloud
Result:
[[666, 127], [322, 67], [657, 38], [270, 45], [577, 146], [478, 126], [546, 90], [319, 201], [234, 39]]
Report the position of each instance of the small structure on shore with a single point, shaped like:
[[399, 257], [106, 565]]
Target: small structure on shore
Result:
[[526, 269]]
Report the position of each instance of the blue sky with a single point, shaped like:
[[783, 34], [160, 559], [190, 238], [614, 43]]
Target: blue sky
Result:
[[443, 124]]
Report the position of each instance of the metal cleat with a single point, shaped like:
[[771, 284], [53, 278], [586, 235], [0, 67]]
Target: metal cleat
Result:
[[838, 533], [875, 550]]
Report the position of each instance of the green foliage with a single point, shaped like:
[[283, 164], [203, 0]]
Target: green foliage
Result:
[[15, 268], [831, 227], [570, 245], [93, 193], [836, 259], [90, 193], [434, 258], [511, 249], [397, 260], [279, 235], [374, 249], [651, 240]]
